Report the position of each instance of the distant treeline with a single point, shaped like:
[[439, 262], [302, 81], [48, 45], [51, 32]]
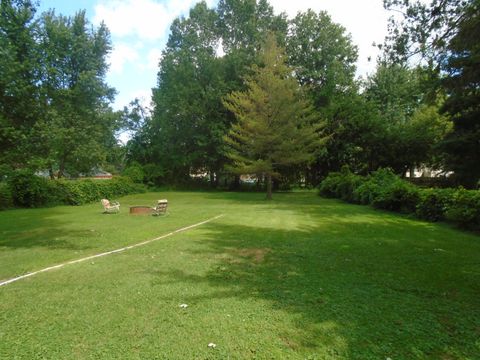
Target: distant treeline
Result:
[[419, 108]]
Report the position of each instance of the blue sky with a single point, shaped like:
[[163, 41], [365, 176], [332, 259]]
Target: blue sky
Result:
[[139, 30]]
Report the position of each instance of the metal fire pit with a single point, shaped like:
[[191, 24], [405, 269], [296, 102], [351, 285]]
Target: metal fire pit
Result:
[[141, 210]]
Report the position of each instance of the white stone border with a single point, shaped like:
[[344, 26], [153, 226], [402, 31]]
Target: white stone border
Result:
[[9, 281]]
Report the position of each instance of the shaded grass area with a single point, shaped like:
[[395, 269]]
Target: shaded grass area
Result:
[[299, 277]]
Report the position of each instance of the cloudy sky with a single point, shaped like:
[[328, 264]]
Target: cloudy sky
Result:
[[140, 28]]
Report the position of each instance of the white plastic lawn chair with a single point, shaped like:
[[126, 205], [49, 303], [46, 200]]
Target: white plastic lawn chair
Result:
[[110, 207], [161, 207]]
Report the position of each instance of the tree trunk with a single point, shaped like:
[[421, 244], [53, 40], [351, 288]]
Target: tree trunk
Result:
[[61, 170], [412, 171], [269, 186], [212, 179]]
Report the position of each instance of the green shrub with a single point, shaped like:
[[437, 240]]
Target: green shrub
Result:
[[373, 186], [385, 190], [464, 209], [25, 189], [397, 195], [341, 184], [153, 174], [78, 192], [433, 203], [135, 173], [29, 190], [328, 187], [69, 192], [6, 197]]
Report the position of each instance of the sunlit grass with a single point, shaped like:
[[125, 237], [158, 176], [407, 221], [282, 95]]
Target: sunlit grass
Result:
[[297, 277]]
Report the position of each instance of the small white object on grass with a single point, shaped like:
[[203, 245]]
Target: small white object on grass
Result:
[[212, 345], [183, 306]]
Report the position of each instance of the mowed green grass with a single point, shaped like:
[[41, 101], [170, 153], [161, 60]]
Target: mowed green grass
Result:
[[298, 277]]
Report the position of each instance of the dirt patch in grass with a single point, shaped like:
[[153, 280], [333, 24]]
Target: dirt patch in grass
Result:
[[289, 343], [256, 254]]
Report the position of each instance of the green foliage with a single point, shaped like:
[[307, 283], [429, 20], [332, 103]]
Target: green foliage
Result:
[[385, 190], [433, 203], [6, 196], [153, 174], [397, 196], [424, 29], [19, 76], [276, 126], [76, 123], [464, 209], [375, 183], [78, 192], [396, 92], [357, 137], [54, 101], [462, 145], [30, 190], [341, 185], [188, 123], [322, 54], [135, 172], [445, 33]]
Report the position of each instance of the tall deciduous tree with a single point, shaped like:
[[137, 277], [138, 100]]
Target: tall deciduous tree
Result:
[[323, 56], [19, 78], [445, 33], [410, 128], [188, 121], [76, 122], [276, 125]]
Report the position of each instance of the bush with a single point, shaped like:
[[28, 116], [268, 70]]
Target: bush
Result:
[[78, 192], [385, 190], [464, 209], [153, 174], [397, 196], [373, 186], [341, 184], [29, 190], [135, 173], [433, 203], [6, 197]]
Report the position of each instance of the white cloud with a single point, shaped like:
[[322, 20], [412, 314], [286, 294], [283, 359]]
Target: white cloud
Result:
[[121, 54], [153, 58], [124, 98], [365, 20], [147, 19]]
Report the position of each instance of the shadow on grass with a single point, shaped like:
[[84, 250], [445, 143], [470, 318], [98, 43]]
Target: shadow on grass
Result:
[[21, 229], [384, 285]]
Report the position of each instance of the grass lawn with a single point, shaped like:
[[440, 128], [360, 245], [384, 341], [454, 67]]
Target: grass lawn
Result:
[[298, 277]]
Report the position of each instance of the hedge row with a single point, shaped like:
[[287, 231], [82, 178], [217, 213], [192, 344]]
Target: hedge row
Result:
[[385, 190], [23, 189]]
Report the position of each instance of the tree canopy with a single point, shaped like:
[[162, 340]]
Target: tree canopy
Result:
[[54, 101], [237, 80]]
